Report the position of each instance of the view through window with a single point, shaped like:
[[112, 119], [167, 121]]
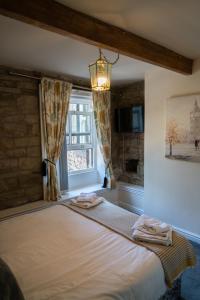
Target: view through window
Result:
[[80, 133]]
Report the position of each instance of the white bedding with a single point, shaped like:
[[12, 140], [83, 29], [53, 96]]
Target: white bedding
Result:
[[57, 254]]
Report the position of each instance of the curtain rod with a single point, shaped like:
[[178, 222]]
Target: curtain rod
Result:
[[39, 78]]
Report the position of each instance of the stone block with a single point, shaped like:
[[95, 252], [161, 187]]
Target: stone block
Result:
[[28, 103], [26, 181], [16, 152], [8, 110], [34, 151], [10, 90], [27, 142], [3, 186], [6, 144], [29, 163], [7, 184], [5, 83], [8, 164], [33, 130], [17, 118], [32, 118], [7, 201], [34, 192], [11, 195], [7, 99], [28, 84], [14, 129]]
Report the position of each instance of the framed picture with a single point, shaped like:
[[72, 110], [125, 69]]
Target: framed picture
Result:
[[182, 140]]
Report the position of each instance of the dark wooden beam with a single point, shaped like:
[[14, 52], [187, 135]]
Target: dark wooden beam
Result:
[[58, 18]]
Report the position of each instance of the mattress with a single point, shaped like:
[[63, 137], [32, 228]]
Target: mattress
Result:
[[56, 253]]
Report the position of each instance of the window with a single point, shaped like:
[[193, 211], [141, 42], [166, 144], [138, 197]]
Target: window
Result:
[[79, 153], [80, 134]]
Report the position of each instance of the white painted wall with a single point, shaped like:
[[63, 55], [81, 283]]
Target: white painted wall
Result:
[[172, 188]]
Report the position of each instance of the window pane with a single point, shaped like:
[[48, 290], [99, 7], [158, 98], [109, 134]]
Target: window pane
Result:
[[74, 140], [80, 159], [85, 107], [81, 139], [80, 123], [80, 107], [85, 139], [72, 107], [67, 139]]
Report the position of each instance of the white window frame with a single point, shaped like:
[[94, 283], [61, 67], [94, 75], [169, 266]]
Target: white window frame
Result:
[[82, 97]]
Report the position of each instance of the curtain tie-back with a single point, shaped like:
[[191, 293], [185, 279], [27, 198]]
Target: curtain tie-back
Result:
[[49, 161]]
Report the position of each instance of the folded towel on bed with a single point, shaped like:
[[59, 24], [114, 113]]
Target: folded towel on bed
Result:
[[87, 203], [86, 197], [144, 237], [152, 230]]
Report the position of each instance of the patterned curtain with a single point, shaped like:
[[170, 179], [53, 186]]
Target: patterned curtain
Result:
[[55, 96], [101, 103]]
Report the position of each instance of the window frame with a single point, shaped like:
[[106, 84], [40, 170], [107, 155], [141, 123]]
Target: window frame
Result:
[[82, 97]]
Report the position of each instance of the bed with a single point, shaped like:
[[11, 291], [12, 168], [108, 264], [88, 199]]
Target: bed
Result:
[[57, 253]]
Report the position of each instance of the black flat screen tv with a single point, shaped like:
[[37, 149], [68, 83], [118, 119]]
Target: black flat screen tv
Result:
[[130, 119]]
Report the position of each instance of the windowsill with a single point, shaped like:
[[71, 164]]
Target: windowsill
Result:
[[86, 171], [76, 192]]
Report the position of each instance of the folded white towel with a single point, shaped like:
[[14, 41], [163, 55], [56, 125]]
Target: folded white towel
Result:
[[87, 204], [152, 230], [151, 225], [143, 237], [88, 194], [86, 199]]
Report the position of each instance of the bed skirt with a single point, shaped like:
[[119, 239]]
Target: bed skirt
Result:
[[173, 293]]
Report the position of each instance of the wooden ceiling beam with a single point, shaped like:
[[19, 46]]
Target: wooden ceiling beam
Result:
[[58, 18]]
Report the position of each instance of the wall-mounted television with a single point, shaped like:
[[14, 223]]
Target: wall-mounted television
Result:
[[130, 119]]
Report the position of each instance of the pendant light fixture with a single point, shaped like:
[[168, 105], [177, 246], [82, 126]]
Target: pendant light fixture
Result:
[[100, 73]]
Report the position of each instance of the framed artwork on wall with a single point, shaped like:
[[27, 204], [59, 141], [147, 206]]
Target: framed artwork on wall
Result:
[[182, 138]]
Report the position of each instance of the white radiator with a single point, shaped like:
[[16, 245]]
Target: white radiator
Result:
[[131, 197], [126, 195]]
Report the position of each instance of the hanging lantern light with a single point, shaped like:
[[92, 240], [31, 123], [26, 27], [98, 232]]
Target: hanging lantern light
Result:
[[100, 73]]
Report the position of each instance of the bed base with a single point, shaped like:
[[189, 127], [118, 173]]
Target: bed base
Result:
[[173, 293]]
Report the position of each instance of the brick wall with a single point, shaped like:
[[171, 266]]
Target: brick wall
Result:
[[128, 145], [20, 149]]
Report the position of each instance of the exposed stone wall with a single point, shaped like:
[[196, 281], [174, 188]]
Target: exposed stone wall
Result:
[[20, 149], [127, 146]]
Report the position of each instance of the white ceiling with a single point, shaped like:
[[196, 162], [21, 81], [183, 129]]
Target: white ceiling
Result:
[[174, 24], [27, 47], [171, 23]]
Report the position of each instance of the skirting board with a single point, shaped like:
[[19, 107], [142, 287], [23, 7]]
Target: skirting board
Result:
[[188, 234]]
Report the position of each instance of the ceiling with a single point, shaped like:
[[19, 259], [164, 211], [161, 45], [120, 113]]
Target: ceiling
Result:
[[24, 46], [172, 23]]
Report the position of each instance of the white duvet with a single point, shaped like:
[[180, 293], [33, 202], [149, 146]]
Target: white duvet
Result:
[[59, 254]]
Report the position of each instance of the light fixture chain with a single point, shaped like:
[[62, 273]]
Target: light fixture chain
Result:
[[102, 55]]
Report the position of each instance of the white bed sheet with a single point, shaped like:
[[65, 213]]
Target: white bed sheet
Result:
[[59, 254]]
